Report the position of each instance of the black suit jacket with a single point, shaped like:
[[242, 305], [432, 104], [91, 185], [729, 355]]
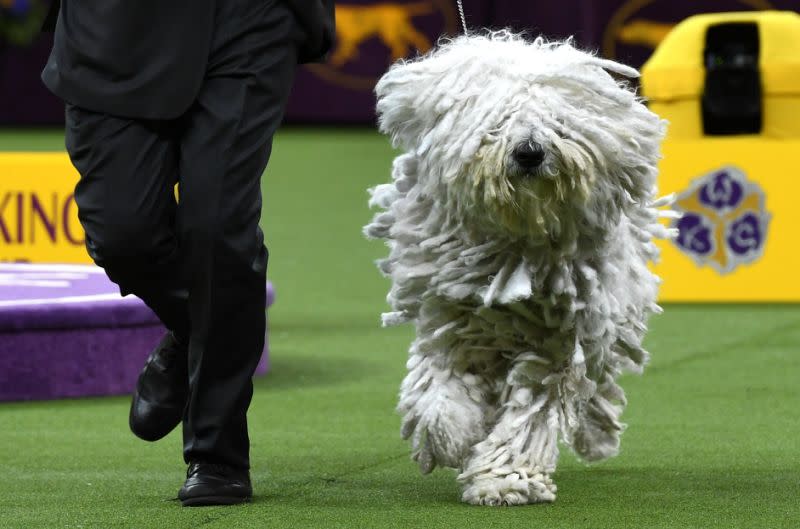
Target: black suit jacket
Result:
[[146, 59]]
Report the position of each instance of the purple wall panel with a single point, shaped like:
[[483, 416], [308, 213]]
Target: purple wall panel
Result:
[[370, 30], [23, 97]]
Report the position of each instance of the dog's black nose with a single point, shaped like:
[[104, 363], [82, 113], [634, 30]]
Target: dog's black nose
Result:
[[529, 155]]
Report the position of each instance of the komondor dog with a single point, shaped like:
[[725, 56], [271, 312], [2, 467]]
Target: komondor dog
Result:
[[520, 222]]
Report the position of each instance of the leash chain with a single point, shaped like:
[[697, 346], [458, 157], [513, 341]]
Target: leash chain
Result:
[[463, 18]]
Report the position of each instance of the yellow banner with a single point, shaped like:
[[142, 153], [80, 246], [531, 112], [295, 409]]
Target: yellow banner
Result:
[[38, 215], [739, 234]]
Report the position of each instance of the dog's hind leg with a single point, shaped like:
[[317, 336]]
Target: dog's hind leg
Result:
[[443, 408], [512, 466]]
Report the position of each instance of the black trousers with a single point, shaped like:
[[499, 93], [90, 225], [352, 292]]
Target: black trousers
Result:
[[199, 262]]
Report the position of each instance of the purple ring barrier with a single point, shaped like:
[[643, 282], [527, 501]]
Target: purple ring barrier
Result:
[[65, 331]]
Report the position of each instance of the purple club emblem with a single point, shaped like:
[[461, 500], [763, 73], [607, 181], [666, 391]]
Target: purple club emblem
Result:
[[724, 222]]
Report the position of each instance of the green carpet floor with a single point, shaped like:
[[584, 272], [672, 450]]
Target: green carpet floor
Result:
[[713, 425]]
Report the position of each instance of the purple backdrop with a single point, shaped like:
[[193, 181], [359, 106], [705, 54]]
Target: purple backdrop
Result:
[[371, 32]]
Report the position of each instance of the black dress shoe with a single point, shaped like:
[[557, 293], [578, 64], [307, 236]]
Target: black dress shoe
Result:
[[215, 484], [161, 391]]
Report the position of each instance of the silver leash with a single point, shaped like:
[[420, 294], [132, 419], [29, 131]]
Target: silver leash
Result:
[[463, 18]]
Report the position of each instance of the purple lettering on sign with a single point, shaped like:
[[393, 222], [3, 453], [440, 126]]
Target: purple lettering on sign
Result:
[[65, 221], [20, 218], [50, 223], [3, 227]]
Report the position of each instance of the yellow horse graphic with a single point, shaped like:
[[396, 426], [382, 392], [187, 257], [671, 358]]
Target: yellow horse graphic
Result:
[[390, 22], [644, 32]]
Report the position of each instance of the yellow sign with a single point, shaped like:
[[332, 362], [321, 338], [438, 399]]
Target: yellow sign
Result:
[[38, 215], [739, 235]]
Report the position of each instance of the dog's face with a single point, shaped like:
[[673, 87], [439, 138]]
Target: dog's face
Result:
[[526, 139]]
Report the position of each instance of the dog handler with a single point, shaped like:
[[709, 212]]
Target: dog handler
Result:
[[189, 92]]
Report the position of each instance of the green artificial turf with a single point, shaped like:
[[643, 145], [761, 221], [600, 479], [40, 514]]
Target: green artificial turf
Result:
[[713, 424], [31, 139]]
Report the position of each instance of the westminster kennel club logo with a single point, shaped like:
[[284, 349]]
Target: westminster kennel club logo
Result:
[[372, 35], [724, 221], [392, 24]]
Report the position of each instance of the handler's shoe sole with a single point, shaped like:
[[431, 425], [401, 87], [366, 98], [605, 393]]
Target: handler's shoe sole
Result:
[[207, 501]]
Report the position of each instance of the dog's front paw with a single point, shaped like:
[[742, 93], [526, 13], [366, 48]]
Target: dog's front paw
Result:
[[437, 441], [514, 488], [442, 425]]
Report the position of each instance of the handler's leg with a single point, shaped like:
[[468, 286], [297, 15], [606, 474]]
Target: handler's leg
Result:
[[223, 155], [127, 208]]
